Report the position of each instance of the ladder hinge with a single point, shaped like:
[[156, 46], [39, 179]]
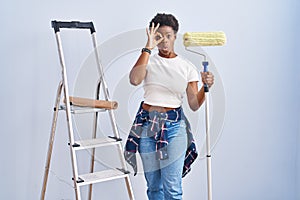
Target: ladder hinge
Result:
[[79, 180], [124, 171], [74, 145], [115, 138]]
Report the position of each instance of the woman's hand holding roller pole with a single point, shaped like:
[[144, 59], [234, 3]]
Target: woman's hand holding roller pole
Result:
[[154, 37], [207, 78]]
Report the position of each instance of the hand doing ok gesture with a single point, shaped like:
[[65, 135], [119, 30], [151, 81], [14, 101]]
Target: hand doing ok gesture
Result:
[[154, 37]]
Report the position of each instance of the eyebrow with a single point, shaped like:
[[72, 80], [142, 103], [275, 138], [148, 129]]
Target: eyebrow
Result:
[[166, 32]]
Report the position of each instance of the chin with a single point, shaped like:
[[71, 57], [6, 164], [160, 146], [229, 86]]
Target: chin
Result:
[[165, 52]]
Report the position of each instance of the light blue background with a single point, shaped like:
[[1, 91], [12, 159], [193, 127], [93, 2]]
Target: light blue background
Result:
[[257, 157]]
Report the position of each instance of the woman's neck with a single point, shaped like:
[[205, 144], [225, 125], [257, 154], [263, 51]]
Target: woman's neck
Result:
[[171, 54]]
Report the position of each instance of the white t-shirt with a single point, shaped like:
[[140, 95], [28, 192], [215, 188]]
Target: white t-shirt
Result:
[[167, 79]]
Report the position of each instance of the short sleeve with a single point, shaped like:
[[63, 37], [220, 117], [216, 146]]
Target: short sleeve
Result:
[[192, 73]]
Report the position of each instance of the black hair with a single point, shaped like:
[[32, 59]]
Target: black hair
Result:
[[165, 20]]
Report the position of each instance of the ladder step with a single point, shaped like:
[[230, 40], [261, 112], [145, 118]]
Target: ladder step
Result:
[[98, 142], [97, 177], [82, 110]]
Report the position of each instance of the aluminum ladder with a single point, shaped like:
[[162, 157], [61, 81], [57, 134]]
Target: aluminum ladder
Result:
[[70, 108]]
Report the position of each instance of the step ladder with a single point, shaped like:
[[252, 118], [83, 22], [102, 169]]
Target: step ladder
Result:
[[75, 105]]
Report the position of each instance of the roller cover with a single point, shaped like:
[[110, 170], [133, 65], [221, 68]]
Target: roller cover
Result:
[[204, 39]]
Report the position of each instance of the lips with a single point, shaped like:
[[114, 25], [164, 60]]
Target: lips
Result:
[[164, 48]]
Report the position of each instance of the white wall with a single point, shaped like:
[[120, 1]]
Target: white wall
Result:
[[298, 130], [256, 156]]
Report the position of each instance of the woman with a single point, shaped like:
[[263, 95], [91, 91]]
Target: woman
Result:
[[160, 131]]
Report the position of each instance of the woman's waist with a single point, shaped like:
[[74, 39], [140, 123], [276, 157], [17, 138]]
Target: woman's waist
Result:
[[160, 109]]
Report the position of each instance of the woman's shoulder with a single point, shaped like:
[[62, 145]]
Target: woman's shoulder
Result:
[[185, 60]]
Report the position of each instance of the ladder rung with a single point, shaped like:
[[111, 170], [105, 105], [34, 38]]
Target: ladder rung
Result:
[[82, 110], [101, 176], [98, 142]]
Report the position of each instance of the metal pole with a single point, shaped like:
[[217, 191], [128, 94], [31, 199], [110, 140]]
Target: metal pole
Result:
[[51, 141], [207, 119], [68, 115], [94, 135]]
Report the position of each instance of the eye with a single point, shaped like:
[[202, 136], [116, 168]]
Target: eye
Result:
[[157, 37]]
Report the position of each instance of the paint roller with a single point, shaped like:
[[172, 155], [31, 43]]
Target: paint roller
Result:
[[204, 39], [192, 39]]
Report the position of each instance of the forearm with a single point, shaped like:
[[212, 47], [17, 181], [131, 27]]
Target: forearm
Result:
[[195, 97], [138, 71], [201, 96], [197, 100]]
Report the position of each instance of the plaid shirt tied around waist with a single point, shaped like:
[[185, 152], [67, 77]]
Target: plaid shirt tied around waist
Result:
[[158, 129]]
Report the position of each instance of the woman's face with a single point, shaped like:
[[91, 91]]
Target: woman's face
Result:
[[166, 46]]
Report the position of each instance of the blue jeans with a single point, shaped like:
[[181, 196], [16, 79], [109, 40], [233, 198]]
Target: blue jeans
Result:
[[164, 176]]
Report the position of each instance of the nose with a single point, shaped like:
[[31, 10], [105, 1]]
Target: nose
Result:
[[165, 39]]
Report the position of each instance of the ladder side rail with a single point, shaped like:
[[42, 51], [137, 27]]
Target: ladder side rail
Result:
[[104, 85], [94, 136], [51, 140], [68, 115], [129, 188], [112, 116]]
